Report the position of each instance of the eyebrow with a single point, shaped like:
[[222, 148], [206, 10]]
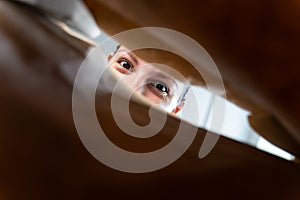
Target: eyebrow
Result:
[[132, 56], [161, 75]]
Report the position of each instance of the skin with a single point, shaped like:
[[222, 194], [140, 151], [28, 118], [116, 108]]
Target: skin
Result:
[[144, 78]]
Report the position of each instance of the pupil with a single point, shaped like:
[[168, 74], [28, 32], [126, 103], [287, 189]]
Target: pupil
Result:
[[125, 65], [161, 87]]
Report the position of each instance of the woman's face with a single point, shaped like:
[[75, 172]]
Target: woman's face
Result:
[[144, 78]]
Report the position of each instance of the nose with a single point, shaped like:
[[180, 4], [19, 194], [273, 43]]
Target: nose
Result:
[[142, 73]]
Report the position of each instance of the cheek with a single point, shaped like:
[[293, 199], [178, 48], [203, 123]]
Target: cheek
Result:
[[150, 96], [171, 105], [167, 106]]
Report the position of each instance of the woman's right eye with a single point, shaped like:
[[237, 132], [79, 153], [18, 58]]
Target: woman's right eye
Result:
[[159, 89], [126, 64]]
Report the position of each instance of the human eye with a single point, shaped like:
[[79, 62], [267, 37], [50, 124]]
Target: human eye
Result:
[[159, 89], [126, 64]]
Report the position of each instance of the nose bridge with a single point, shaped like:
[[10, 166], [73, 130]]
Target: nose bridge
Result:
[[143, 73], [148, 67]]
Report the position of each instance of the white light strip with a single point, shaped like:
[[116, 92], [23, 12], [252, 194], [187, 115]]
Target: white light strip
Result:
[[266, 146]]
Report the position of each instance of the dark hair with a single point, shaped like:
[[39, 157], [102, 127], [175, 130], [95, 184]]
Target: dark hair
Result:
[[117, 48]]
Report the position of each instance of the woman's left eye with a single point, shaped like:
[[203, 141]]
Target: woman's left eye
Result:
[[126, 64]]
